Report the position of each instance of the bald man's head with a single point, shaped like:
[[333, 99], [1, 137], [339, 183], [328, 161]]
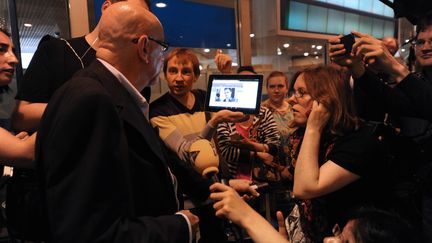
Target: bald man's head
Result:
[[124, 21], [130, 40]]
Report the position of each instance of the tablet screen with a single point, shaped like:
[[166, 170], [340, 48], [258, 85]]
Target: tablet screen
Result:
[[234, 92]]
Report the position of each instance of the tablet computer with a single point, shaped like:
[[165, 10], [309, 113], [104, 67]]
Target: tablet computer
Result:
[[235, 93]]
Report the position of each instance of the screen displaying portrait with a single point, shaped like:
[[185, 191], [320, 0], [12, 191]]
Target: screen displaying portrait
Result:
[[234, 92]]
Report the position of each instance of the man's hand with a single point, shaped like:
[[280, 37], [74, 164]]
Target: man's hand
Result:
[[375, 55], [223, 62], [227, 116], [245, 186], [193, 219], [338, 55]]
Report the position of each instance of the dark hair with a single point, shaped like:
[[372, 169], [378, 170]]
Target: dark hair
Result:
[[246, 69], [183, 55], [424, 23], [4, 31], [232, 90], [374, 226]]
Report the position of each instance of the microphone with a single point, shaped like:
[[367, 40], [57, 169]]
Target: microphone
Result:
[[205, 158]]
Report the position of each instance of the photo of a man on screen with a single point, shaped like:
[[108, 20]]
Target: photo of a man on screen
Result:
[[229, 95]]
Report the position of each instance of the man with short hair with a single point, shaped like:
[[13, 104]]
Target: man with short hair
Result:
[[104, 172]]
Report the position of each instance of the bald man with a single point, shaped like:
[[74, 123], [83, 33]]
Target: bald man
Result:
[[104, 173]]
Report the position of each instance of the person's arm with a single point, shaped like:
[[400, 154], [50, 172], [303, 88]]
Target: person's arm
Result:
[[44, 73], [223, 62], [27, 115], [311, 180], [16, 151], [231, 153], [174, 139], [268, 128], [231, 206]]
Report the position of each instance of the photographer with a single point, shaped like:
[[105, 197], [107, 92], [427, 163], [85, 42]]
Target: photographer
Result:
[[407, 102]]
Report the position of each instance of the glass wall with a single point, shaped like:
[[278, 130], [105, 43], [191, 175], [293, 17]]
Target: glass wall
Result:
[[33, 20]]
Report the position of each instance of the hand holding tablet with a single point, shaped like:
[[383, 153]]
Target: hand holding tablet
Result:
[[234, 93]]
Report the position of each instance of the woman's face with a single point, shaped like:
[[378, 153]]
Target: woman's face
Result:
[[277, 89], [8, 60], [301, 102]]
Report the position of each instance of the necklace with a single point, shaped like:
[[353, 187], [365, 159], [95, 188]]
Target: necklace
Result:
[[85, 53], [88, 49]]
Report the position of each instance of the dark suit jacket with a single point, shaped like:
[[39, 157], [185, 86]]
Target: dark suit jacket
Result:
[[103, 170]]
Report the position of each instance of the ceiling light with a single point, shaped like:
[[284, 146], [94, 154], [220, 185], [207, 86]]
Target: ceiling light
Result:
[[252, 35], [206, 50], [313, 46], [279, 53], [316, 57], [28, 25], [306, 54], [315, 52], [286, 45], [161, 5], [319, 47]]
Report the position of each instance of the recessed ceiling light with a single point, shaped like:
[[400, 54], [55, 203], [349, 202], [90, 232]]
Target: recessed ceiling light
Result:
[[286, 45], [279, 53], [252, 35], [161, 5], [319, 47], [28, 25], [306, 54], [313, 46], [206, 50]]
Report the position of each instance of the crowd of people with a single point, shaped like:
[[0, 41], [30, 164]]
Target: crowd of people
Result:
[[104, 165]]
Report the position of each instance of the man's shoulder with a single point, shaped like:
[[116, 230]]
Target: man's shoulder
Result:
[[162, 106]]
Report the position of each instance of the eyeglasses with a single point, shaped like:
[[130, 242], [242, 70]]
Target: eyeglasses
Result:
[[164, 45], [298, 93], [419, 43]]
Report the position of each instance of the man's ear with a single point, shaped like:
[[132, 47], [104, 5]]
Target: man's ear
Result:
[[105, 5], [143, 51]]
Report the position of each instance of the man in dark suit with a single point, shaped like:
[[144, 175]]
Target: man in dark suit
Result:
[[104, 173]]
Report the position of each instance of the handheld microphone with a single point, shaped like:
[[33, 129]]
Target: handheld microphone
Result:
[[205, 159]]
